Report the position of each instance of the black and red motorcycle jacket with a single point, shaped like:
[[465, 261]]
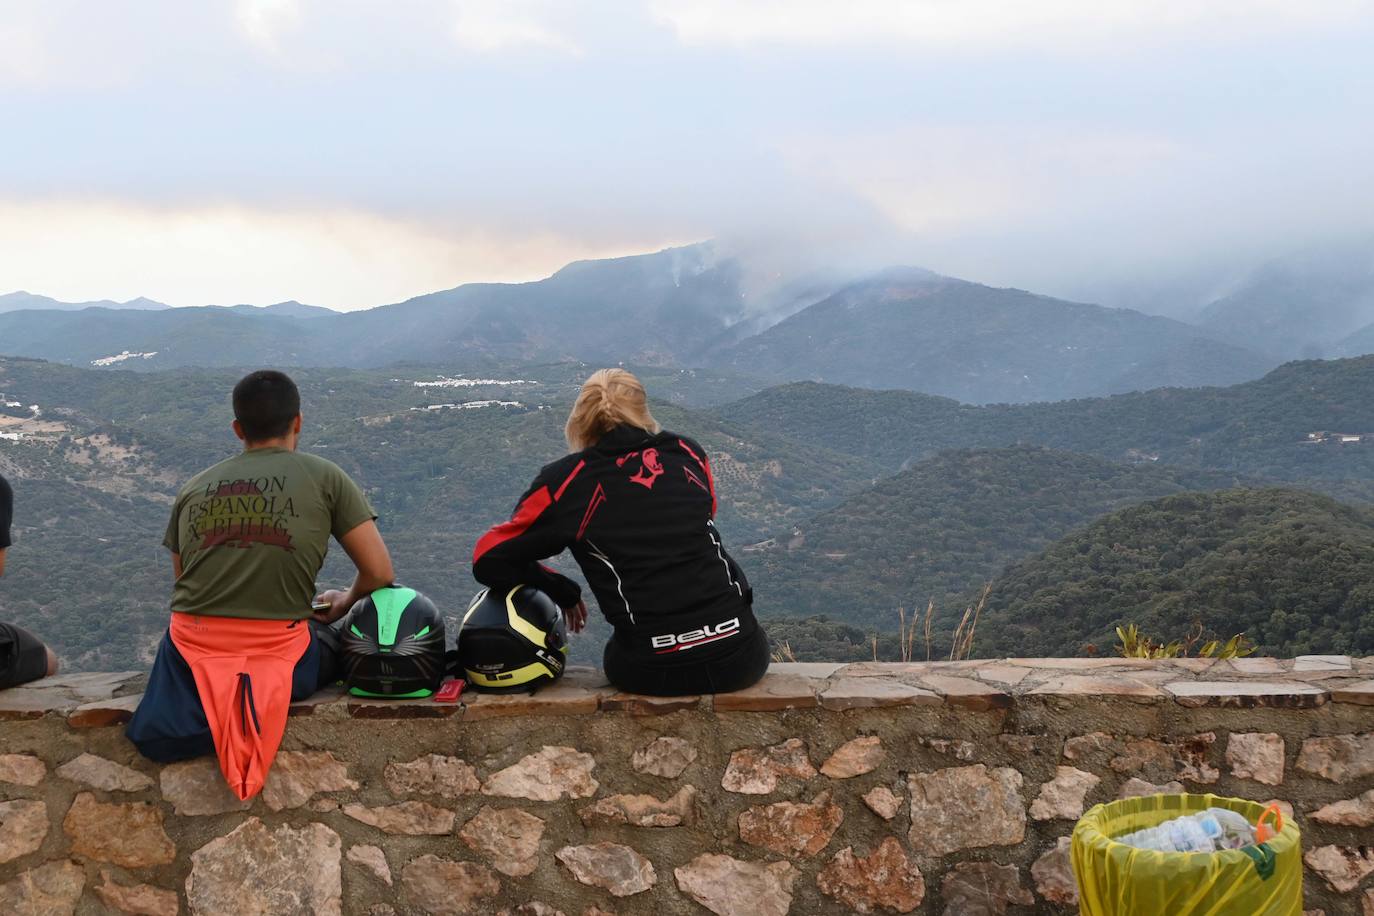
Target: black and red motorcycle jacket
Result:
[[637, 511]]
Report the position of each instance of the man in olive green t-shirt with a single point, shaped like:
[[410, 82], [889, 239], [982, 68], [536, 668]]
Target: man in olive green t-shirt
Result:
[[251, 533], [247, 537]]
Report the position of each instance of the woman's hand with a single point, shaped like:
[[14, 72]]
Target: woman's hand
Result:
[[576, 616], [339, 602]]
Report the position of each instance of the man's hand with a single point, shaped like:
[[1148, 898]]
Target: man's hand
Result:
[[576, 616], [339, 601], [365, 548]]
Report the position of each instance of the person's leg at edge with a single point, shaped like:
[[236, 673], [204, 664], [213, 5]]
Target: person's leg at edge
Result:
[[29, 659]]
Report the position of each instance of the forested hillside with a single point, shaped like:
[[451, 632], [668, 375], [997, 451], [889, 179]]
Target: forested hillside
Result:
[[1259, 428], [945, 526], [1292, 570]]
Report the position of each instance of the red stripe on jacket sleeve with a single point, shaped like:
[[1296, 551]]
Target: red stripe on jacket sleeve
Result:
[[575, 471], [526, 514], [705, 466]]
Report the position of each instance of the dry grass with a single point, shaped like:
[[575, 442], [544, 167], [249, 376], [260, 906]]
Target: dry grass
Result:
[[962, 645], [968, 625], [784, 653]]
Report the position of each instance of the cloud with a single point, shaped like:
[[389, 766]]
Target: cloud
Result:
[[265, 21], [337, 258], [981, 23], [492, 26]]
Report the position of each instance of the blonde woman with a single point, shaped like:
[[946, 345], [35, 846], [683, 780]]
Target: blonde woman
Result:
[[635, 505]]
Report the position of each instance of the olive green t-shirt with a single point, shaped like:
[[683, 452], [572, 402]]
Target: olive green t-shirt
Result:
[[253, 531]]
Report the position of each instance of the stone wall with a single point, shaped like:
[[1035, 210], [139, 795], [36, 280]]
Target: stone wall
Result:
[[922, 788]]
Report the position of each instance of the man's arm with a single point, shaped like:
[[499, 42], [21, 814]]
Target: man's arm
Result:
[[176, 566], [367, 550], [3, 551]]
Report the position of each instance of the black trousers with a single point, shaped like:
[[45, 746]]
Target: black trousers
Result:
[[637, 672], [23, 657]]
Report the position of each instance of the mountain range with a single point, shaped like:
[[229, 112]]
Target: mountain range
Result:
[[1309, 304], [688, 307]]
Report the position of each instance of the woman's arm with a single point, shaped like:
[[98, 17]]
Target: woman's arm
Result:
[[510, 552]]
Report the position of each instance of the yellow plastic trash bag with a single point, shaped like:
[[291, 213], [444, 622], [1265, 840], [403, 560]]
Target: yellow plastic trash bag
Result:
[[1119, 880]]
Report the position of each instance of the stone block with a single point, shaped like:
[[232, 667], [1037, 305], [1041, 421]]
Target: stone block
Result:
[[855, 757], [52, 889], [884, 880], [1351, 812], [1062, 797], [1256, 755], [558, 699], [1053, 875], [843, 693], [774, 693], [966, 692], [730, 887], [1343, 867], [666, 757], [104, 713], [1099, 686], [1340, 663], [965, 808], [1247, 694], [1339, 758], [196, 787], [792, 829], [983, 888], [296, 776], [372, 860], [433, 774], [507, 837], [883, 802], [550, 774], [22, 769], [257, 871], [129, 835], [1082, 747], [105, 775], [1261, 665], [815, 670], [443, 887], [616, 869], [636, 704], [756, 771], [136, 899], [23, 827], [1360, 693], [643, 810], [1145, 755], [426, 708], [411, 818], [1193, 754], [958, 749], [1006, 675]]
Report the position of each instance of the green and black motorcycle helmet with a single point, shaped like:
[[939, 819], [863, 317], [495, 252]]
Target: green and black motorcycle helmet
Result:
[[393, 645], [512, 641]]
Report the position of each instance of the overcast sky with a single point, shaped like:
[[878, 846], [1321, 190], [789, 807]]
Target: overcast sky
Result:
[[350, 153]]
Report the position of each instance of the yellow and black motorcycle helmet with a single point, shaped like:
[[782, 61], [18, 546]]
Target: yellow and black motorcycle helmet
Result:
[[393, 645], [512, 641]]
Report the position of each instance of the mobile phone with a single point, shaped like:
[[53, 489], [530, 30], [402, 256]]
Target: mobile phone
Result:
[[450, 691], [321, 606]]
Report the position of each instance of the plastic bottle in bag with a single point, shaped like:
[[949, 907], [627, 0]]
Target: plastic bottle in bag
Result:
[[1206, 831]]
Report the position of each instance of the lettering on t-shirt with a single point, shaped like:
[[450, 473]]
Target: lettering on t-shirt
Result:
[[241, 513]]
